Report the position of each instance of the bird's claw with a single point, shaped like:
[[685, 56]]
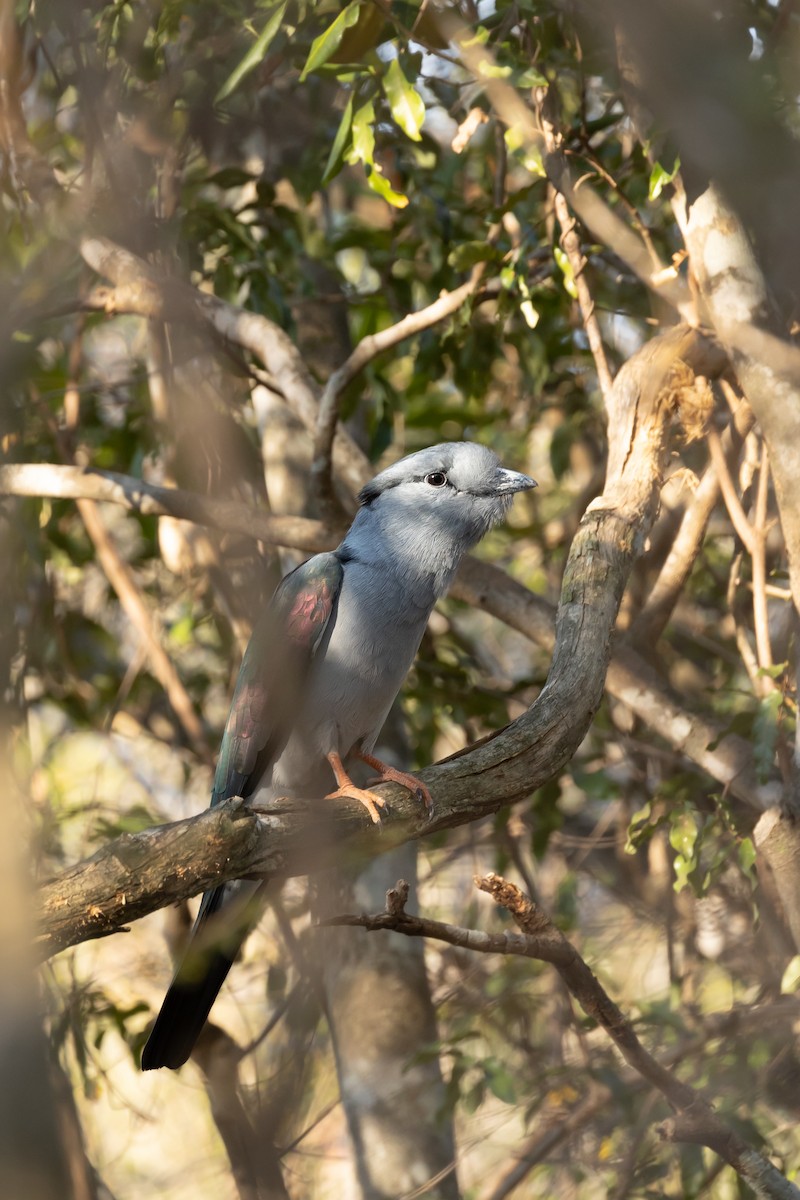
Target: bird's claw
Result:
[[371, 800]]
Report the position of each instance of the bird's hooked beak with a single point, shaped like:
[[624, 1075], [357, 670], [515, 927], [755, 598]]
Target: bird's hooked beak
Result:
[[509, 482]]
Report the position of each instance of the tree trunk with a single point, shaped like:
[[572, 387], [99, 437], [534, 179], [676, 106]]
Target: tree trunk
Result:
[[380, 1014]]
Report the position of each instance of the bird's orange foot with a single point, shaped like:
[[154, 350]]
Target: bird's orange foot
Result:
[[369, 799], [392, 775]]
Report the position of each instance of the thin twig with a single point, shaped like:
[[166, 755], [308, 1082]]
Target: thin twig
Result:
[[571, 244], [758, 554], [367, 350], [742, 641], [729, 494], [671, 581]]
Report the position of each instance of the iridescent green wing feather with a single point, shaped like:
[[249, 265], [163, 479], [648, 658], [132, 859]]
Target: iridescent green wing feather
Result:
[[269, 689]]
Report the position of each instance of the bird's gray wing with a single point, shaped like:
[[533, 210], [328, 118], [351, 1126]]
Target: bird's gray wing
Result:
[[266, 701]]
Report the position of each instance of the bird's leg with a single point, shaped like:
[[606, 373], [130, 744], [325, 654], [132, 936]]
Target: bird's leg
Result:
[[348, 788], [392, 775]]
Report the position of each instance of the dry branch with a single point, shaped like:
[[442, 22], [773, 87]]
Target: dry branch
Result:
[[571, 242], [695, 1120], [75, 483], [672, 578]]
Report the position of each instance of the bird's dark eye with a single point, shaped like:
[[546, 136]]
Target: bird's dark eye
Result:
[[436, 479]]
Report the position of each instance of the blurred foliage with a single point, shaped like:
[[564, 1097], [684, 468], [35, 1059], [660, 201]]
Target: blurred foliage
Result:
[[298, 159]]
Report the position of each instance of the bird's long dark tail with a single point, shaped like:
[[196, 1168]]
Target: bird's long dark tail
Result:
[[223, 922]]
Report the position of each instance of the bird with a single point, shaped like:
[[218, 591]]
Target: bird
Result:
[[321, 671]]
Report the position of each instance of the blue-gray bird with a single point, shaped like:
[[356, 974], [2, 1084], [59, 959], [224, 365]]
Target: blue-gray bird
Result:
[[321, 672]]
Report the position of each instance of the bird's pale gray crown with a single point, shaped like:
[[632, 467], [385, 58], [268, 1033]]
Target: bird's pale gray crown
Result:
[[427, 510], [460, 467]]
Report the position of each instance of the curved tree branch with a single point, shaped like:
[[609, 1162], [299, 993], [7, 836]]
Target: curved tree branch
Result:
[[87, 901]]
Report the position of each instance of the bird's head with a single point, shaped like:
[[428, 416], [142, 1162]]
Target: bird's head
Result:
[[437, 503]]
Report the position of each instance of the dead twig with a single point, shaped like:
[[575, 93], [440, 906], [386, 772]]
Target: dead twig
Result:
[[728, 488], [694, 1121], [61, 482], [571, 241]]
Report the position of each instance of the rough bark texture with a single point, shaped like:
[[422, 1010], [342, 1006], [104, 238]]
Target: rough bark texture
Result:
[[777, 839]]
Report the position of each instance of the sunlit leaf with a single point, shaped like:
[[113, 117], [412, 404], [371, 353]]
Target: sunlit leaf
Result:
[[362, 149], [328, 42], [660, 177], [254, 55], [565, 266], [408, 108], [380, 184]]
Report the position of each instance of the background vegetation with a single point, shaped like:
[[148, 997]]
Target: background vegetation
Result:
[[555, 178]]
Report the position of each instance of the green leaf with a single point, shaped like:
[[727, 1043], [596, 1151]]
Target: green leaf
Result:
[[328, 42], [501, 1083], [638, 823], [336, 156], [747, 855], [530, 314], [254, 55], [565, 267], [467, 254], [660, 177], [362, 149], [773, 672], [765, 734], [683, 834], [490, 70], [380, 184], [531, 78], [408, 108], [230, 177]]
